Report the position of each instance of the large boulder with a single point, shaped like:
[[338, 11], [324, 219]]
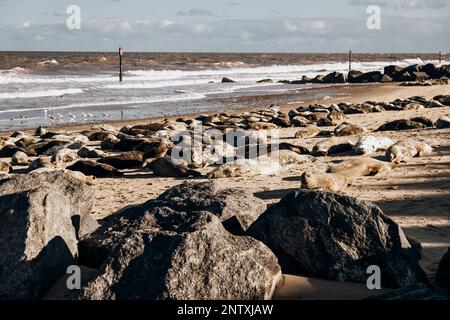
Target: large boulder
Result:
[[80, 194], [368, 77], [37, 242], [235, 208], [443, 273], [185, 256], [337, 237], [335, 77], [392, 70], [353, 75]]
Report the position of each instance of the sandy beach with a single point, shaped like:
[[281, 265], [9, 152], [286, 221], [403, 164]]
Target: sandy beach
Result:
[[416, 194]]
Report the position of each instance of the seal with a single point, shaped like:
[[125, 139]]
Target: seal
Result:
[[332, 182], [372, 144], [407, 149], [246, 168], [166, 167], [331, 146], [360, 167], [308, 132], [348, 129]]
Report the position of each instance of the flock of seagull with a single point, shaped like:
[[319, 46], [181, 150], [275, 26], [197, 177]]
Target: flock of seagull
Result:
[[57, 117]]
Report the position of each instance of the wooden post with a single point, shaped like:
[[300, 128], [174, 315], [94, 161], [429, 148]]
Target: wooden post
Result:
[[120, 64], [440, 57], [350, 60]]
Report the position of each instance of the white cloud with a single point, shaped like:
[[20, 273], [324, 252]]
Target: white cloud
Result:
[[26, 24], [167, 23]]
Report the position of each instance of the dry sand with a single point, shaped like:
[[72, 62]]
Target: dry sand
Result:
[[416, 195]]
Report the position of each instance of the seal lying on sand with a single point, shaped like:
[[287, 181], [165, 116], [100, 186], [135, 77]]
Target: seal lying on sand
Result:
[[331, 182], [348, 129], [166, 167], [360, 167], [407, 149], [246, 168], [371, 144], [402, 124], [331, 146], [288, 157], [262, 126], [307, 132]]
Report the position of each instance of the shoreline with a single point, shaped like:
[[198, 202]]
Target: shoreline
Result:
[[356, 93]]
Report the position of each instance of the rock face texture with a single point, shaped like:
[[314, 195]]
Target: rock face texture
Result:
[[37, 242], [443, 273], [177, 255], [81, 196], [337, 237], [237, 210]]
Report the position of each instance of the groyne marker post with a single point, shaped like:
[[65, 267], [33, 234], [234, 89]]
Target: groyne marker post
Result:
[[440, 57], [350, 60], [120, 64]]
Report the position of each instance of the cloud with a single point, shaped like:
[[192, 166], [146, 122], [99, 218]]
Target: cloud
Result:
[[196, 12], [26, 24], [272, 34], [402, 4]]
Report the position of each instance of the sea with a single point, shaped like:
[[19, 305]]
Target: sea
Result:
[[56, 88]]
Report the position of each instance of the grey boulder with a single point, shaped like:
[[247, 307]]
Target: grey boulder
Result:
[[185, 256], [337, 237]]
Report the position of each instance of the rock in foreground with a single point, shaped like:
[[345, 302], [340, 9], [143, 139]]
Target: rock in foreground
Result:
[[180, 256], [337, 237], [37, 242]]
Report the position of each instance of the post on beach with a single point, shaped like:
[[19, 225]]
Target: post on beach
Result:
[[120, 64]]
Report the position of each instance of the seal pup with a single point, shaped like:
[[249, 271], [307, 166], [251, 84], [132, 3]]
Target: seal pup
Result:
[[360, 167], [372, 144], [402, 124], [407, 149], [331, 182]]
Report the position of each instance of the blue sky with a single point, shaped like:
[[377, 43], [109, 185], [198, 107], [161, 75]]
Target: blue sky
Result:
[[226, 25]]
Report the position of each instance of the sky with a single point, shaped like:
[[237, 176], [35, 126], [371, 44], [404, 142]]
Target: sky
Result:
[[226, 25]]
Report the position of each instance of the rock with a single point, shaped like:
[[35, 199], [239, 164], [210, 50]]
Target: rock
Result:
[[126, 160], [420, 76], [227, 80], [401, 125], [368, 77], [92, 153], [414, 292], [431, 70], [98, 170], [443, 273], [80, 195], [178, 256], [20, 159], [353, 75], [443, 123], [37, 242], [318, 79], [335, 77], [237, 209], [404, 75], [64, 156], [265, 81], [337, 237], [416, 245], [40, 163], [392, 70]]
